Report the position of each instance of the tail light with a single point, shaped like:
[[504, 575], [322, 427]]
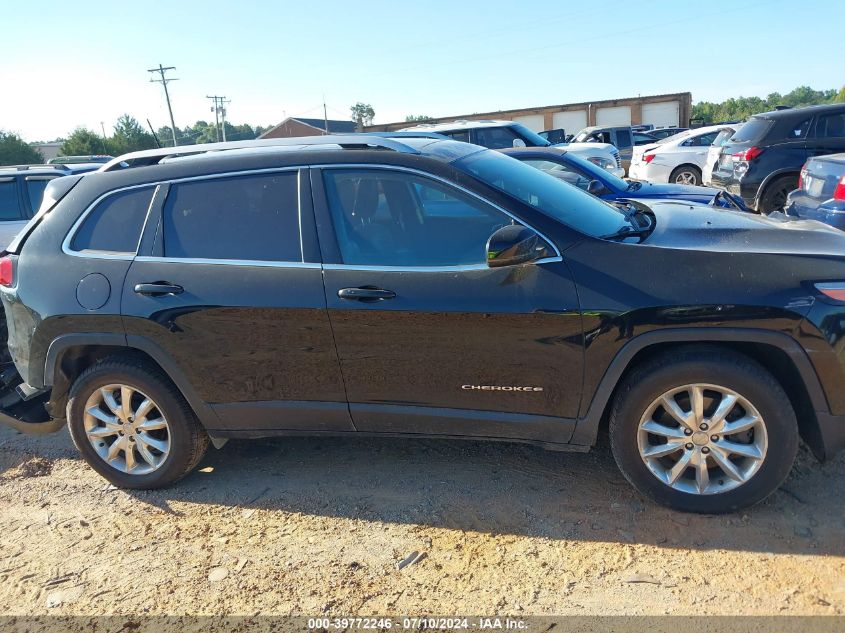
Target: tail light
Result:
[[801, 175], [748, 154], [7, 272], [839, 192], [647, 158], [832, 290]]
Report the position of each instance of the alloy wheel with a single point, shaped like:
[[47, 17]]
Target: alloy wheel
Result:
[[686, 178], [702, 439], [127, 429]]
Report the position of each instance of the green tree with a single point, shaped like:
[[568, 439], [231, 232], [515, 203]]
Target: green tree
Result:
[[417, 118], [363, 112], [840, 96], [129, 136], [15, 151], [84, 142], [739, 108]]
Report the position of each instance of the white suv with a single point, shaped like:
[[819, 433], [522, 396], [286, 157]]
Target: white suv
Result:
[[494, 134], [679, 159]]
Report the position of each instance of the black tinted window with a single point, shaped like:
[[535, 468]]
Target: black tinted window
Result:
[[10, 206], [115, 223], [386, 218], [831, 126], [461, 135], [751, 131], [35, 188], [623, 138], [243, 217], [495, 137]]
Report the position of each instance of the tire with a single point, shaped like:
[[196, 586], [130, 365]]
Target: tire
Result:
[[775, 437], [774, 196], [159, 455], [686, 175]]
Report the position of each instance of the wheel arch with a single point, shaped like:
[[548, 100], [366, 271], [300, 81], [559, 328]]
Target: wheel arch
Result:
[[772, 177], [69, 355], [779, 353]]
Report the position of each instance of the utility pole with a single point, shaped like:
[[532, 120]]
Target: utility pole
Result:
[[161, 70], [103, 128], [325, 116], [219, 113]]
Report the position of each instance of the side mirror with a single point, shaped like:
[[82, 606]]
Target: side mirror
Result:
[[596, 188], [515, 244]]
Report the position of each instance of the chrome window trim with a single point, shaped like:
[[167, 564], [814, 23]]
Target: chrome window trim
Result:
[[556, 258], [430, 269], [258, 263], [66, 249]]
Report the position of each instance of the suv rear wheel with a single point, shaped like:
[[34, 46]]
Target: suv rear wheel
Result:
[[132, 425], [774, 196], [703, 431]]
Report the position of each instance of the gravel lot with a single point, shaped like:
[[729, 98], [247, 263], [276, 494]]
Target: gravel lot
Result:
[[317, 526]]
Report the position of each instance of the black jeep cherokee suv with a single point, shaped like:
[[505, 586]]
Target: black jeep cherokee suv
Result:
[[423, 287]]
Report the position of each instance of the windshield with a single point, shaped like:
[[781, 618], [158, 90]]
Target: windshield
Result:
[[547, 194], [751, 131], [722, 137], [594, 171], [582, 136], [532, 139]]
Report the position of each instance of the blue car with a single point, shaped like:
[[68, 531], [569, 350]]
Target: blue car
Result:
[[821, 191], [601, 183]]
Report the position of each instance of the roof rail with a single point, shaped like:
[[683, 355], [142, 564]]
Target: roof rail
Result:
[[28, 167], [345, 141], [434, 135]]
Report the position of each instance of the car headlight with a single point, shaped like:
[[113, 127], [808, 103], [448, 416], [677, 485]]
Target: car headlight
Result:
[[604, 163]]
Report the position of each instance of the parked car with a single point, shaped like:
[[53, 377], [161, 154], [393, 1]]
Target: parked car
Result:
[[585, 175], [679, 158], [762, 160], [419, 286], [665, 132], [501, 134], [21, 190], [821, 191], [715, 151], [624, 138]]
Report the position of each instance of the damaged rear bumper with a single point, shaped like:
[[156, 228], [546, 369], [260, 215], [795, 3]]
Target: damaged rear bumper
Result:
[[22, 407]]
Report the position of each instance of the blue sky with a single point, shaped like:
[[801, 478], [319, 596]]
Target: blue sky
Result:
[[78, 63]]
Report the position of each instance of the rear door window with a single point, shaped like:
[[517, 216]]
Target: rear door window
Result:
[[458, 135], [254, 217], [623, 138], [831, 126], [10, 203], [115, 224]]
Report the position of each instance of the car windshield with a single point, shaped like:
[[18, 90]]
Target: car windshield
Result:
[[752, 130], [549, 195], [532, 139], [582, 136], [595, 172], [723, 137]]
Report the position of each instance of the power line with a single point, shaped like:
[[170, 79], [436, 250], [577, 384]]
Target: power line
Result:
[[161, 70]]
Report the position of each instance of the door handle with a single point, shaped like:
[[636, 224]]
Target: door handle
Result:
[[157, 289], [365, 294]]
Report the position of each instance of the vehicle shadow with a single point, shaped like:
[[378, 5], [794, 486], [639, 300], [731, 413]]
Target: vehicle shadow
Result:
[[504, 488]]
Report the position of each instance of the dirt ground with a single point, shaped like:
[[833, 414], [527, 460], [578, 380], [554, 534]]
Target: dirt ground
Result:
[[318, 526]]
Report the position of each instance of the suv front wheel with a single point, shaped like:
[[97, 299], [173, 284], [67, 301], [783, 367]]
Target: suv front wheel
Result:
[[703, 430], [132, 425]]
